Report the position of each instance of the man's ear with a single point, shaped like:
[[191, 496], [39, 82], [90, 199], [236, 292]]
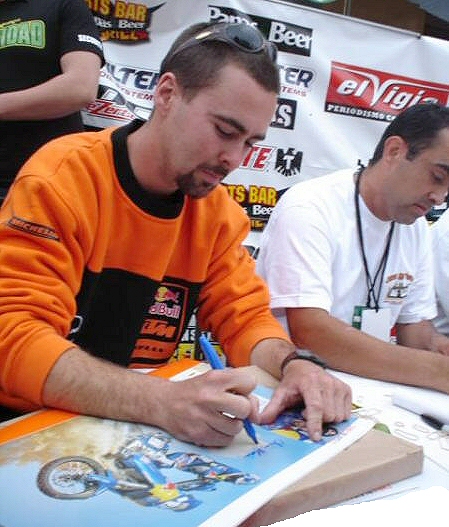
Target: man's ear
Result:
[[395, 148], [167, 89]]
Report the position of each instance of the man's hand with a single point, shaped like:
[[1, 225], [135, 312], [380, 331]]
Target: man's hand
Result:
[[208, 409], [325, 398]]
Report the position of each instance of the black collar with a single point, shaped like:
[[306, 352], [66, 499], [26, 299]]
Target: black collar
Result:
[[161, 206]]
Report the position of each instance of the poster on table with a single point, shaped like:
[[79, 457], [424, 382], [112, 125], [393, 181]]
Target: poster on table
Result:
[[342, 81], [80, 471]]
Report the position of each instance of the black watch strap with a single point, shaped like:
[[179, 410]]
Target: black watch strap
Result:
[[302, 355]]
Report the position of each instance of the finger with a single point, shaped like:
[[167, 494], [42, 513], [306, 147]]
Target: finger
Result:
[[274, 407], [314, 414], [329, 403], [219, 430], [337, 401], [238, 381], [347, 403], [254, 413]]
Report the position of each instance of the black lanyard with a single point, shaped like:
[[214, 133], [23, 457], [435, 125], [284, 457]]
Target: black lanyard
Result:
[[373, 296]]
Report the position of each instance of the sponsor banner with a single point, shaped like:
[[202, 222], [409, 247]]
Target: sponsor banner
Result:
[[288, 37], [374, 94], [122, 21], [336, 96]]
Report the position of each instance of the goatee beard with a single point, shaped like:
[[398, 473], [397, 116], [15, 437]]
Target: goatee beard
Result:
[[190, 187]]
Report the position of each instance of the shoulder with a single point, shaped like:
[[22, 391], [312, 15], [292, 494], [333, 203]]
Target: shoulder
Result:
[[80, 154], [218, 211], [440, 228], [416, 236], [79, 6], [220, 196], [330, 191]]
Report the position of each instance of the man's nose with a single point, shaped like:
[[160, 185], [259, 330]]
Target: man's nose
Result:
[[438, 197], [232, 156]]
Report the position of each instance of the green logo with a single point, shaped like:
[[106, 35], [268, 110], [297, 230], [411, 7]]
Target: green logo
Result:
[[30, 34]]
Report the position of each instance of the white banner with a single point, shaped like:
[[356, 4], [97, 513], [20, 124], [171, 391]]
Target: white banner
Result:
[[342, 79]]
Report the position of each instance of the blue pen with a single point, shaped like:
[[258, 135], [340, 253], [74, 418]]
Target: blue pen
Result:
[[214, 360]]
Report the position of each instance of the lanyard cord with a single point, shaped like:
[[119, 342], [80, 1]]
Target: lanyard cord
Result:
[[370, 283]]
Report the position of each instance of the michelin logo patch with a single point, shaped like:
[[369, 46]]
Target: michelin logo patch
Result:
[[32, 228]]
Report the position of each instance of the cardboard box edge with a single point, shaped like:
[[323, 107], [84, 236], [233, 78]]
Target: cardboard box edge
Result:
[[337, 481]]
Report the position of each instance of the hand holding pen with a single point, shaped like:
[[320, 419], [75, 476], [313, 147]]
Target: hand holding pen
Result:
[[216, 364]]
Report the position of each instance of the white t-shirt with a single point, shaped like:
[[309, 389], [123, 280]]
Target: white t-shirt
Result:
[[440, 241], [310, 254]]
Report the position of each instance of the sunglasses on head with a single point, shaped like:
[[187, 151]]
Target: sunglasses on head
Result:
[[242, 36]]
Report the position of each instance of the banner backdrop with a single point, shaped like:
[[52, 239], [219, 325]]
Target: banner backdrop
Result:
[[343, 80]]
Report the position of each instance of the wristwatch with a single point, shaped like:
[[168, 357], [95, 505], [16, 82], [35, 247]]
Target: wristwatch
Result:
[[303, 355]]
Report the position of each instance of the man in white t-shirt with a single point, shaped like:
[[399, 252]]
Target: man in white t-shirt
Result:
[[347, 257], [440, 249]]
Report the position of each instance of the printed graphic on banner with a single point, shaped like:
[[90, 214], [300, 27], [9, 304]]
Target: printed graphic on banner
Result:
[[285, 114], [266, 158], [288, 37], [124, 93], [288, 162], [371, 94], [258, 202], [295, 80], [124, 22]]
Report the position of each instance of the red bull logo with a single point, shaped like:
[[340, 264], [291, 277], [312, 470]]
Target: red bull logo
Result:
[[164, 294]]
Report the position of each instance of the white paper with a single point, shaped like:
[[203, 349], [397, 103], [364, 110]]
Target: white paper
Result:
[[422, 401], [377, 323]]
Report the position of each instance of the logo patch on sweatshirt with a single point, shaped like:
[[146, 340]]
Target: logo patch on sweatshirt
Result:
[[30, 227]]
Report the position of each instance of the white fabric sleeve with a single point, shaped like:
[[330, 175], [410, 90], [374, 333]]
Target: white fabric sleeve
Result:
[[420, 304], [440, 250], [295, 258]]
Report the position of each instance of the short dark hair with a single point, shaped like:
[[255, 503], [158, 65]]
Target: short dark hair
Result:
[[419, 126], [197, 67]]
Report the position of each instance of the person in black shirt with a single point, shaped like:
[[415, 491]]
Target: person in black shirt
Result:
[[50, 59]]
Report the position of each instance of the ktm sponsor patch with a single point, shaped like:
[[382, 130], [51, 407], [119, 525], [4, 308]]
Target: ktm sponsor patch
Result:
[[162, 325]]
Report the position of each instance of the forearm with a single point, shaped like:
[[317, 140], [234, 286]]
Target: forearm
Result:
[[84, 384], [349, 349], [50, 100], [195, 410], [417, 335], [62, 95], [422, 335], [268, 354]]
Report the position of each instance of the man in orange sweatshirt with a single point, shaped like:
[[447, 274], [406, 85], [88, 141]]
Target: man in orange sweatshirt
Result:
[[110, 240]]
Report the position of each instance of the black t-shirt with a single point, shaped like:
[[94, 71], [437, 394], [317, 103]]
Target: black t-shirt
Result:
[[34, 35]]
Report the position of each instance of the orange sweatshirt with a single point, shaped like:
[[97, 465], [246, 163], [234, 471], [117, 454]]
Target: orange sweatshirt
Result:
[[88, 257]]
